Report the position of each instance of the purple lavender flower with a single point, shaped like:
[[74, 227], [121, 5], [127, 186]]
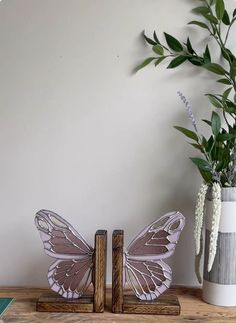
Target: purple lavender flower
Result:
[[188, 109]]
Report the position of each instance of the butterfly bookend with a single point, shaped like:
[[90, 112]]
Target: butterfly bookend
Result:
[[142, 266], [78, 274]]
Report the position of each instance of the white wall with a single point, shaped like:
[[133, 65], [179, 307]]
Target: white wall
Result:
[[82, 135]]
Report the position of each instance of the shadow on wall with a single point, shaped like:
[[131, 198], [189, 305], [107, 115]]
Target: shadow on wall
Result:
[[37, 270], [181, 197]]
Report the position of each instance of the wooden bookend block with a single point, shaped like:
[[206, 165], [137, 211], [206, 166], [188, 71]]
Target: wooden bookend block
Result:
[[117, 271], [90, 301], [100, 270], [166, 304]]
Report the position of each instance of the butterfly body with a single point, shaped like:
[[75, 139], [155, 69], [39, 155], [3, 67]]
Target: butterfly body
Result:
[[71, 273]]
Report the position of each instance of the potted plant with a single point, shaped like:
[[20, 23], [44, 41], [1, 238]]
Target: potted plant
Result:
[[216, 202]]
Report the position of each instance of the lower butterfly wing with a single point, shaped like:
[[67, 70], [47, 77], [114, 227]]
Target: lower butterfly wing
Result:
[[148, 279], [60, 239], [70, 278]]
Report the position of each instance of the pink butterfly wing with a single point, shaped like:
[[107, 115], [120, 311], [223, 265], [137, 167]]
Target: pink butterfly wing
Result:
[[70, 274], [70, 278], [143, 258], [149, 279], [59, 238], [159, 239]]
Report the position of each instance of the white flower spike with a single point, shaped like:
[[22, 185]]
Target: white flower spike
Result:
[[199, 213], [216, 212]]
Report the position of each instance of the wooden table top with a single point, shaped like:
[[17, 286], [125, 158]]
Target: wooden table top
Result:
[[193, 309]]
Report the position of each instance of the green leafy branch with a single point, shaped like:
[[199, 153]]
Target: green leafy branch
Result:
[[184, 51], [219, 150], [216, 150]]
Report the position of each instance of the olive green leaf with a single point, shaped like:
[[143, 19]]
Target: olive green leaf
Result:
[[227, 92], [155, 37], [206, 175], [215, 123], [145, 63], [207, 55], [197, 61], [188, 133], [233, 69], [158, 49], [224, 81], [149, 40], [220, 9], [226, 19], [177, 61], [207, 122], [201, 164], [198, 23], [215, 68], [214, 101], [159, 60], [225, 137], [200, 10], [189, 46], [173, 43], [212, 19]]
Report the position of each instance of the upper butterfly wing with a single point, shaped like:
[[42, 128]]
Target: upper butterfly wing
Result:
[[59, 238], [158, 240]]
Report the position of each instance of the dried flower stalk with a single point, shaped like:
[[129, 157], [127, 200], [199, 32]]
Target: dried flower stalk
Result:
[[199, 213], [216, 212]]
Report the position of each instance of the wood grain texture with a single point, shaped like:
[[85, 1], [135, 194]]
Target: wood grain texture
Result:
[[193, 309], [100, 270], [117, 270], [164, 305], [52, 302]]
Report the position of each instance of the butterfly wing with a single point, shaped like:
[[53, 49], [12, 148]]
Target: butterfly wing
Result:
[[60, 239], [71, 273], [70, 278], [146, 273], [148, 278]]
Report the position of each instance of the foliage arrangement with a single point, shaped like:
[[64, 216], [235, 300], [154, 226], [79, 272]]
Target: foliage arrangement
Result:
[[218, 162]]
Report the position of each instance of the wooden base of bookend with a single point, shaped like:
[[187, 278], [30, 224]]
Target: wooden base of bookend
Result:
[[164, 305], [90, 302], [52, 302], [167, 304]]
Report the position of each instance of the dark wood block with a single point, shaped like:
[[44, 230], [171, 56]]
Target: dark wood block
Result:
[[117, 270], [100, 270], [164, 305], [51, 302]]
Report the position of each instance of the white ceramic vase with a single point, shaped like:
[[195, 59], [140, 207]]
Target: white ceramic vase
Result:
[[219, 285]]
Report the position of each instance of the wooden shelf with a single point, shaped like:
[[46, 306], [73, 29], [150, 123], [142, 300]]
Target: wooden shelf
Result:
[[193, 309]]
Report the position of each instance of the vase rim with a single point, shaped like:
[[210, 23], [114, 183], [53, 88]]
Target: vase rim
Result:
[[229, 188], [227, 194]]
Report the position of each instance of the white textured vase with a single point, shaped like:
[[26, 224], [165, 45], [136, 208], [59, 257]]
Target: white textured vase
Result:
[[219, 285]]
